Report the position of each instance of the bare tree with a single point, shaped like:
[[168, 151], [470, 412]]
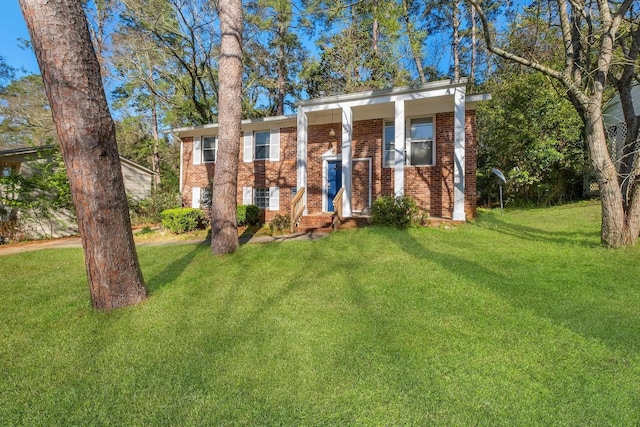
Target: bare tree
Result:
[[86, 134], [600, 46], [224, 228]]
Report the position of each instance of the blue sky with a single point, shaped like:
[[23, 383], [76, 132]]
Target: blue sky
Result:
[[13, 27]]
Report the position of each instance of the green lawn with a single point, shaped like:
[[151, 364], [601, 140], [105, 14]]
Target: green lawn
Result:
[[519, 319]]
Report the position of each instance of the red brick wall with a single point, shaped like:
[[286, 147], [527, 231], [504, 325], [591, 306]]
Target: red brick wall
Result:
[[432, 187], [319, 142], [193, 175], [259, 173]]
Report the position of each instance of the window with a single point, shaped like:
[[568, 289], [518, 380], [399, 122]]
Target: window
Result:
[[209, 147], [388, 154], [6, 170], [261, 197], [262, 145], [422, 149]]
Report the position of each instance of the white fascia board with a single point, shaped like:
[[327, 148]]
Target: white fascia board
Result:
[[381, 99], [248, 124], [384, 93]]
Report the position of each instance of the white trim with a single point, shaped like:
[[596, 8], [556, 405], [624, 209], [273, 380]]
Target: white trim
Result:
[[459, 155], [196, 193], [247, 153], [181, 185], [247, 195], [301, 156], [385, 93], [409, 146], [347, 154], [399, 144], [274, 145], [197, 150], [215, 149], [274, 198]]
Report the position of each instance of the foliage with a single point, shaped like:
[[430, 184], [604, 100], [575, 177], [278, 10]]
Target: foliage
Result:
[[25, 116], [280, 224], [181, 220], [533, 134], [518, 319], [249, 215], [38, 192], [149, 209], [394, 211]]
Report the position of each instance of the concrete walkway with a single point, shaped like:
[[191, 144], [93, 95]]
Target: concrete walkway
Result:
[[74, 242]]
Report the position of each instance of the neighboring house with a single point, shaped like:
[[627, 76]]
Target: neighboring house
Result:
[[138, 182], [418, 141], [615, 124]]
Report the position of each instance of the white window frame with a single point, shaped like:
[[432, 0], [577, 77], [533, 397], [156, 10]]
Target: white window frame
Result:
[[409, 148], [271, 196], [267, 145], [272, 152], [205, 149], [261, 194], [385, 143]]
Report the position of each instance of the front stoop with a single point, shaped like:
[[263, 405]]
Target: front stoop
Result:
[[315, 222], [323, 222]]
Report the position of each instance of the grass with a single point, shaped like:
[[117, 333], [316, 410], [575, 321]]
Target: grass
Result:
[[519, 319]]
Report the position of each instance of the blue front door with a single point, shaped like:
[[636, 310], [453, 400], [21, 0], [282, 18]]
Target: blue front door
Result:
[[334, 182]]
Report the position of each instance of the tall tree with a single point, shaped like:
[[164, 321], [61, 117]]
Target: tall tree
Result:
[[86, 133], [224, 228], [601, 42], [273, 50], [25, 116]]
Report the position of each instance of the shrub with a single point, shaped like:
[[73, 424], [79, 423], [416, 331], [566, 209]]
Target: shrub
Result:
[[149, 209], [249, 215], [280, 224], [181, 220], [394, 211]]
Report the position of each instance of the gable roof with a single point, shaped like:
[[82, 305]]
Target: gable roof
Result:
[[612, 113], [21, 154]]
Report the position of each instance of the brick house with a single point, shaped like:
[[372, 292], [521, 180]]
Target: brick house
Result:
[[418, 141]]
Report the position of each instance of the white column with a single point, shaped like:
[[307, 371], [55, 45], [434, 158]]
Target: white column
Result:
[[458, 161], [301, 159], [347, 126], [399, 146]]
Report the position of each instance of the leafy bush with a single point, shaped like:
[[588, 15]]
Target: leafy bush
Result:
[[149, 209], [181, 220], [394, 211], [249, 215], [280, 224]]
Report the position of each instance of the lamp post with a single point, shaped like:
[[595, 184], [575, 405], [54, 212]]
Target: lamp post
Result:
[[501, 180]]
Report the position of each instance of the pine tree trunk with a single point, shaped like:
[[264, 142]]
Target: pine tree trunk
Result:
[[224, 228], [156, 143], [472, 71], [281, 79], [456, 41], [86, 134]]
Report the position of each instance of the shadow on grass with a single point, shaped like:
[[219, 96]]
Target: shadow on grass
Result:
[[172, 271], [579, 238], [616, 329]]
